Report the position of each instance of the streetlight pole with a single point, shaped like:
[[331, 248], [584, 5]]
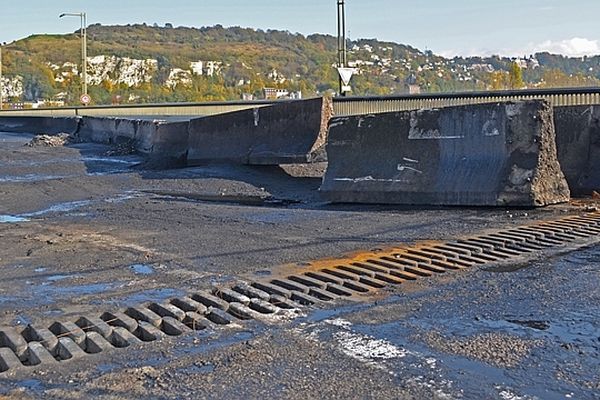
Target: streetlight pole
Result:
[[1, 81], [83, 17]]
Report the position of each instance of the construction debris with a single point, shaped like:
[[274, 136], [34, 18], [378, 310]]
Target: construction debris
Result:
[[44, 140]]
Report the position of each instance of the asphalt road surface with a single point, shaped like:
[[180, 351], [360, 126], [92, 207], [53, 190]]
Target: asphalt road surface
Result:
[[85, 230]]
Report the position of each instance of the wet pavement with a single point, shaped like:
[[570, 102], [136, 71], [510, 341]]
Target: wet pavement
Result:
[[85, 232], [531, 333]]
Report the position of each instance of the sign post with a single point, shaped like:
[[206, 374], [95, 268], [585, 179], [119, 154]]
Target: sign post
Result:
[[341, 39]]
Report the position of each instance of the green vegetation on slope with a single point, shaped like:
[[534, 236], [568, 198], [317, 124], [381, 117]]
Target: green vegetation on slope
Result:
[[254, 59]]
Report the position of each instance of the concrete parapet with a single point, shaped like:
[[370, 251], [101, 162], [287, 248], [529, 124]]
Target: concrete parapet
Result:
[[578, 145], [39, 125], [501, 154], [107, 130], [288, 132], [165, 143]]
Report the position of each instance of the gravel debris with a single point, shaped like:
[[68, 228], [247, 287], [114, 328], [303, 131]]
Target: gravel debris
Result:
[[44, 140], [497, 349]]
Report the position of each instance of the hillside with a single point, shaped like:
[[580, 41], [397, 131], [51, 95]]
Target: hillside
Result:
[[140, 63]]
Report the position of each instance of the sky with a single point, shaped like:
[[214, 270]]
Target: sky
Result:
[[447, 27]]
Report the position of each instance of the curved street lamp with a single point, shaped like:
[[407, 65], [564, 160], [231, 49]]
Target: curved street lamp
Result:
[[83, 17]]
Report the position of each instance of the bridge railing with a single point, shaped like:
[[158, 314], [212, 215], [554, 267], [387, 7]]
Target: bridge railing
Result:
[[150, 110], [374, 105], [342, 105]]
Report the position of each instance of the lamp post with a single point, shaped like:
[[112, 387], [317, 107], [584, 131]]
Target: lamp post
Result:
[[83, 16], [1, 81]]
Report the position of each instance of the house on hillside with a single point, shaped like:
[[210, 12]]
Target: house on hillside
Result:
[[279, 94]]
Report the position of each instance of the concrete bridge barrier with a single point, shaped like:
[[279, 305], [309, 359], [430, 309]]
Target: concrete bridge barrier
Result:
[[578, 144], [283, 133], [39, 125], [501, 154], [164, 143], [107, 130]]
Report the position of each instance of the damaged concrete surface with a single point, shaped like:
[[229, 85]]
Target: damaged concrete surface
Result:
[[501, 154], [84, 231], [283, 133], [578, 143]]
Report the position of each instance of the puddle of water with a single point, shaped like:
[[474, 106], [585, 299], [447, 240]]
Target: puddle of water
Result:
[[92, 288], [142, 269], [65, 207], [31, 384], [57, 278], [112, 171], [110, 160], [47, 293], [221, 280], [262, 273], [121, 199], [61, 207], [88, 289], [507, 268], [538, 325], [22, 320], [214, 343], [157, 295], [106, 368], [11, 219], [80, 215], [54, 313], [275, 217], [30, 178], [324, 314], [41, 269], [248, 200]]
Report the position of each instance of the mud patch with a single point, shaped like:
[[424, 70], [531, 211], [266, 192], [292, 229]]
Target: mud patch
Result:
[[237, 199], [507, 267], [538, 325], [496, 349]]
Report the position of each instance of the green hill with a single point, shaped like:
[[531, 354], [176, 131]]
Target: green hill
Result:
[[154, 64]]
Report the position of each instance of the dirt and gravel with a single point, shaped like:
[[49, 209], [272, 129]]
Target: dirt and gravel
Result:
[[87, 230], [496, 349], [61, 139]]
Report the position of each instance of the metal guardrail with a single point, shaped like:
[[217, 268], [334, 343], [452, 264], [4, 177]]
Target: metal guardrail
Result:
[[342, 105], [159, 110], [374, 105]]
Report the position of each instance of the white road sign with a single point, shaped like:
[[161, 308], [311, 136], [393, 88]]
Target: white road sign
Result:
[[346, 74]]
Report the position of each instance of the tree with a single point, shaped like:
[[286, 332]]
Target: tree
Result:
[[515, 76], [499, 80]]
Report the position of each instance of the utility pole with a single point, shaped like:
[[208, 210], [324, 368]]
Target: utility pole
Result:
[[1, 81], [83, 16], [341, 29]]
